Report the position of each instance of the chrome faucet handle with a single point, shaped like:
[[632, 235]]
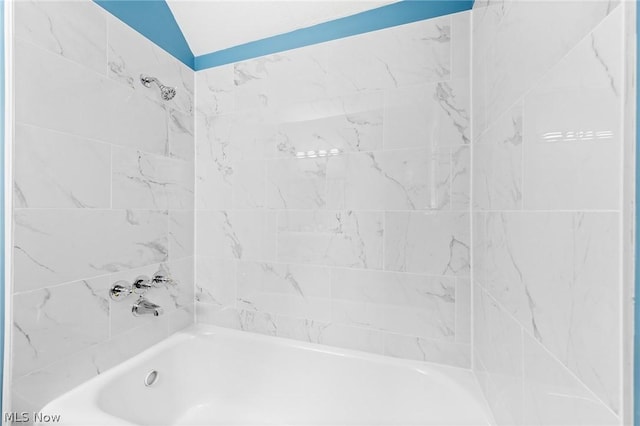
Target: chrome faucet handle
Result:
[[161, 278], [120, 290], [142, 284]]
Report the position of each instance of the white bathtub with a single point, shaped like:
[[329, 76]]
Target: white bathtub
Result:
[[215, 376]]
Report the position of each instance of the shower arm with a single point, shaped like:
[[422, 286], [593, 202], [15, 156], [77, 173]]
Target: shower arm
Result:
[[146, 81]]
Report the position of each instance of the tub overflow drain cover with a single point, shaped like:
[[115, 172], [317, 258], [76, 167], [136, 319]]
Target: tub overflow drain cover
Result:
[[152, 377]]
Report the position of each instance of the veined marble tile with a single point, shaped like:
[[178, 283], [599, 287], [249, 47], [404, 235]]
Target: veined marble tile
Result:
[[440, 351], [181, 135], [214, 185], [248, 190], [330, 134], [461, 45], [301, 291], [298, 183], [283, 78], [463, 310], [460, 178], [497, 167], [572, 127], [57, 94], [498, 342], [216, 281], [515, 60], [181, 234], [553, 396], [150, 181], [216, 90], [181, 319], [53, 246], [336, 238], [391, 180], [233, 137], [74, 30], [428, 115], [131, 54], [349, 104], [558, 274], [53, 169], [409, 304], [232, 234], [400, 56], [44, 318], [432, 243]]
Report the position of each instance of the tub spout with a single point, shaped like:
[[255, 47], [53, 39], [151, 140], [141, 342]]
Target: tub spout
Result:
[[145, 307]]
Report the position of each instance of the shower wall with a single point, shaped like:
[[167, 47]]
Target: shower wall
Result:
[[103, 174], [332, 192], [549, 99]]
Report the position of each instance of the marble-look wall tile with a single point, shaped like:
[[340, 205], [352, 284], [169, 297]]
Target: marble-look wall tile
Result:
[[131, 54], [463, 310], [249, 190], [413, 305], [297, 183], [336, 238], [461, 45], [498, 345], [74, 30], [553, 396], [181, 135], [239, 136], [386, 180], [348, 132], [338, 131], [432, 115], [497, 164], [232, 234], [181, 234], [58, 170], [282, 78], [301, 291], [515, 61], [431, 243], [214, 188], [42, 319], [52, 246], [572, 131], [109, 111], [461, 178], [548, 270], [410, 54], [147, 181], [216, 281], [215, 88]]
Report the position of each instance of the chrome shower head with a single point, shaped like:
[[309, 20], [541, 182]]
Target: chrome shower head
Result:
[[166, 93]]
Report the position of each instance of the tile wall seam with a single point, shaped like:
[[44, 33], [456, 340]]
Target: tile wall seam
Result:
[[524, 331], [76, 352], [545, 74], [472, 139], [93, 277]]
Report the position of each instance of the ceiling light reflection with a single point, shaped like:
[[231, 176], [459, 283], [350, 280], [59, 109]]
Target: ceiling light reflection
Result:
[[580, 135], [319, 153]]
